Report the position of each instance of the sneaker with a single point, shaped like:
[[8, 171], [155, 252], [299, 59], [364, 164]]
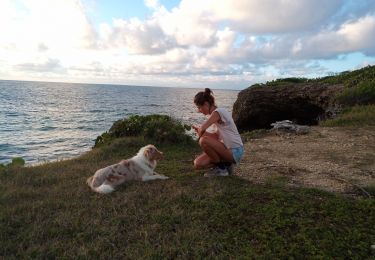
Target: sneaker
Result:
[[216, 172], [230, 169]]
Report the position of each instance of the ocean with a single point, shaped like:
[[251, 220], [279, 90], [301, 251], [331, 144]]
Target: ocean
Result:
[[44, 121]]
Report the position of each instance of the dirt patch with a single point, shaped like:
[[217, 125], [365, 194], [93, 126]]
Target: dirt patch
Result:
[[333, 159]]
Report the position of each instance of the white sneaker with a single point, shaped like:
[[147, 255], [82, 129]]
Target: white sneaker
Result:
[[216, 172], [230, 169]]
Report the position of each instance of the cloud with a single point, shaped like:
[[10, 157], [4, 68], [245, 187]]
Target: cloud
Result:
[[61, 25], [352, 36], [274, 16], [225, 41], [137, 37], [153, 4], [42, 47], [49, 65]]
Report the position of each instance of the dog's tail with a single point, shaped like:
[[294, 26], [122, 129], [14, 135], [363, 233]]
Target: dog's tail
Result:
[[103, 188]]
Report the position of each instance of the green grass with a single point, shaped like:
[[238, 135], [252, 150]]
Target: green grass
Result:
[[356, 116], [362, 94], [359, 85], [349, 79], [48, 211]]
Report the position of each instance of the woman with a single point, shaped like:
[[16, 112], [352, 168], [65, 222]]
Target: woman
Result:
[[224, 147]]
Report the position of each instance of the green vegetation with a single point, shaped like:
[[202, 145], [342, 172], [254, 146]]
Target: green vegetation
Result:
[[158, 128], [357, 116], [16, 162], [362, 94], [359, 91], [359, 85], [349, 79], [284, 81], [47, 211]]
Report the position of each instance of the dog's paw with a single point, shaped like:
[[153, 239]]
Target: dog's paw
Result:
[[163, 177]]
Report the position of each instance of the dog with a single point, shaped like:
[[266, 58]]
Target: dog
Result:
[[139, 167]]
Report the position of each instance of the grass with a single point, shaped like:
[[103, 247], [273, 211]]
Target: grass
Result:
[[362, 94], [359, 85], [47, 211], [356, 116]]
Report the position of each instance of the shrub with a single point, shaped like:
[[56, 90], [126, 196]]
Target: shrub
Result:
[[351, 78], [17, 161], [354, 116], [157, 128], [363, 94]]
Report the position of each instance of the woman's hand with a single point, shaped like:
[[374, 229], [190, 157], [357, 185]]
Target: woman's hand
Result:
[[195, 128], [199, 131]]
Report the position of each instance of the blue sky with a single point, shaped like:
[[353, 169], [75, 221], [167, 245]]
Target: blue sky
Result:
[[189, 43]]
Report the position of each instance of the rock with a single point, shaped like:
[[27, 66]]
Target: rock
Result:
[[304, 103], [289, 127]]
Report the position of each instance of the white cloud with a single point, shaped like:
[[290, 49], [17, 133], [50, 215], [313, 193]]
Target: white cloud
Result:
[[274, 16], [154, 4], [42, 66], [137, 37], [352, 36], [59, 25], [231, 42]]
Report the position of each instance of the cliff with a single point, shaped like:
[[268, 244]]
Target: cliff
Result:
[[304, 103]]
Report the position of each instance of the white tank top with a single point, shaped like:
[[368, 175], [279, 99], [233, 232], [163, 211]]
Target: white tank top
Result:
[[227, 129]]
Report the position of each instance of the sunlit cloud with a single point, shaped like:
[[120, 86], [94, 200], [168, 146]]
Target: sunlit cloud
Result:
[[208, 43]]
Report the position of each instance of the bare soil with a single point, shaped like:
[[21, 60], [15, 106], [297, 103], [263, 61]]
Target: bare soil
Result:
[[334, 159]]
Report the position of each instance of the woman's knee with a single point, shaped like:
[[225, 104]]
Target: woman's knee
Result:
[[199, 164], [204, 141]]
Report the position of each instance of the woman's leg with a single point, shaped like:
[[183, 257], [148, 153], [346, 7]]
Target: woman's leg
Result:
[[202, 162], [215, 150]]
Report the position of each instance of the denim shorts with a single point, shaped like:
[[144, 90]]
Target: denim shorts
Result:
[[237, 154]]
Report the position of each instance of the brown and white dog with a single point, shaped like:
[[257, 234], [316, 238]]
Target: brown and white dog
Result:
[[139, 167]]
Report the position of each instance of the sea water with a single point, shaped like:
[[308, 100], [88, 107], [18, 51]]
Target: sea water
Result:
[[43, 121]]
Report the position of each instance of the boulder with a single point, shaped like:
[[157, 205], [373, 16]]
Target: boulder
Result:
[[303, 103], [287, 126]]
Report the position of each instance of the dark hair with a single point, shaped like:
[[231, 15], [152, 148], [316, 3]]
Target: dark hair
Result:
[[203, 96]]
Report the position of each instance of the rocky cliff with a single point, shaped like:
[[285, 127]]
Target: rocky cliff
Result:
[[303, 103]]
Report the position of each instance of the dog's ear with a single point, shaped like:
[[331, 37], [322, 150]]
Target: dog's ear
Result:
[[147, 152], [152, 153]]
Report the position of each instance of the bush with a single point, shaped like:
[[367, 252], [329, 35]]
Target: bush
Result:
[[354, 116], [351, 78], [363, 94], [157, 128], [17, 161]]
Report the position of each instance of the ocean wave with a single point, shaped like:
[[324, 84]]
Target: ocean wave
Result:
[[55, 120]]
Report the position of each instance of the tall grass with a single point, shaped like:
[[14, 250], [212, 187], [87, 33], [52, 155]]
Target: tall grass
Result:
[[354, 116], [349, 79], [362, 94], [359, 85]]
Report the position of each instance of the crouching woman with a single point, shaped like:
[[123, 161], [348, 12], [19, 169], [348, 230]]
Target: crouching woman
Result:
[[223, 148]]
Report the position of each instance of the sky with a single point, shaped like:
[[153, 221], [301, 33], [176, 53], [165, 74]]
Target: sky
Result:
[[227, 44]]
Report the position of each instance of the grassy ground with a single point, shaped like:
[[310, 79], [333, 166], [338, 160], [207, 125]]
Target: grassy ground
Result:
[[48, 211], [354, 116]]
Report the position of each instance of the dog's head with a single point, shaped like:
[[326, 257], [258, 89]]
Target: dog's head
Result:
[[151, 153]]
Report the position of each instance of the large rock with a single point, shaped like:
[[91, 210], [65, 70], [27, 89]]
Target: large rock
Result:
[[303, 103]]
